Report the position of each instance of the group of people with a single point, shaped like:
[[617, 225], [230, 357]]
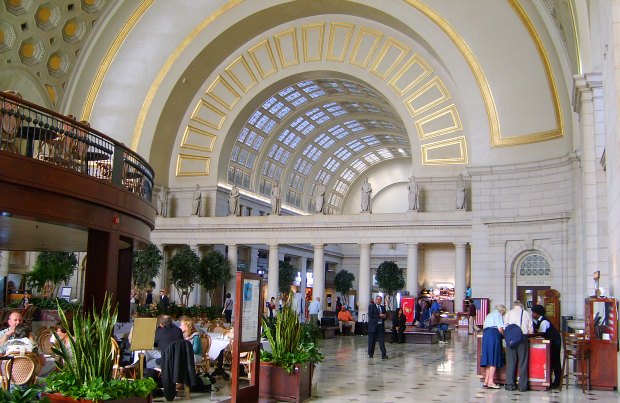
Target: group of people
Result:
[[517, 356]]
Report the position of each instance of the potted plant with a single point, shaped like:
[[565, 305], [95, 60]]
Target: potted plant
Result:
[[87, 363], [183, 267], [286, 371]]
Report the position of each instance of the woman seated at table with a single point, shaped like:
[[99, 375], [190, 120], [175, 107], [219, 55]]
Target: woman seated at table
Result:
[[20, 341], [190, 334]]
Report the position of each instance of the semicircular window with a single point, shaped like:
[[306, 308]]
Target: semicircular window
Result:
[[534, 264]]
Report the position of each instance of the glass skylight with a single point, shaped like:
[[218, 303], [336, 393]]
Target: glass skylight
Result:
[[289, 140]]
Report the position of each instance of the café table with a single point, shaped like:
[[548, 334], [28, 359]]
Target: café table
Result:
[[38, 133], [216, 352]]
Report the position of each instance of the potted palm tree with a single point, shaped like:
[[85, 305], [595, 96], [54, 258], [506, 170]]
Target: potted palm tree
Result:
[[286, 371], [87, 362]]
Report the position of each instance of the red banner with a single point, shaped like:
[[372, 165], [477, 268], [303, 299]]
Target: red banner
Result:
[[408, 306]]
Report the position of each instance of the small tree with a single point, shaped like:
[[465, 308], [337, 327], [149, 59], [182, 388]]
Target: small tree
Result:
[[52, 269], [214, 272], [286, 276], [390, 279], [344, 282], [145, 266], [184, 266]]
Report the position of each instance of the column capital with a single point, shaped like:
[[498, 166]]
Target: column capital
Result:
[[459, 244], [318, 245], [412, 243]]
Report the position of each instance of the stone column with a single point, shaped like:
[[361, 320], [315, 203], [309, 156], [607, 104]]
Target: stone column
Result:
[[233, 258], [253, 260], [5, 257], [459, 276], [273, 283], [160, 281], [303, 270], [412, 268], [195, 298], [364, 281], [318, 274]]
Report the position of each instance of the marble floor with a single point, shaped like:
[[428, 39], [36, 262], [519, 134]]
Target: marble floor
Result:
[[413, 372]]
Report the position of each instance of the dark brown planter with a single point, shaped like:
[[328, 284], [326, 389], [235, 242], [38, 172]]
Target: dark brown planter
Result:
[[58, 398], [274, 383]]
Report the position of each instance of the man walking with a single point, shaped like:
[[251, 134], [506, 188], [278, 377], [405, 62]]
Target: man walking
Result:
[[521, 352], [376, 327], [314, 309], [471, 319]]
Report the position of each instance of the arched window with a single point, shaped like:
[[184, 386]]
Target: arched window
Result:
[[534, 264]]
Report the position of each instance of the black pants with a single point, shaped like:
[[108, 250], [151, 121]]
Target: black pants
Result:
[[556, 363], [228, 315], [398, 334], [373, 337]]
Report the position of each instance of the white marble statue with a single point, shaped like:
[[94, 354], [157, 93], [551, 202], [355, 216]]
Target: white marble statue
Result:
[[414, 194], [162, 203], [197, 201], [460, 193], [366, 196], [234, 208], [276, 201], [319, 199]]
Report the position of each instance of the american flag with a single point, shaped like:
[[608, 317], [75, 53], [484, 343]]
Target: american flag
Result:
[[482, 310]]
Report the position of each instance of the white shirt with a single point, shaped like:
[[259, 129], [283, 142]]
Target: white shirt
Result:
[[314, 308], [514, 317]]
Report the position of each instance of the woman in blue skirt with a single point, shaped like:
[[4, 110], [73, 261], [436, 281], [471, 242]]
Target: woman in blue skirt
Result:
[[492, 350]]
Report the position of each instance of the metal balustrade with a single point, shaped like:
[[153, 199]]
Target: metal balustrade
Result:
[[32, 131]]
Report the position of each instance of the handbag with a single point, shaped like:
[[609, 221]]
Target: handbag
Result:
[[513, 334]]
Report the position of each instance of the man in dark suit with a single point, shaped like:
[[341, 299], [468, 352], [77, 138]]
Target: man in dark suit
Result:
[[376, 327], [165, 334]]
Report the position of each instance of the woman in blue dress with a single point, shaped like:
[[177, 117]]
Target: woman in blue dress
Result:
[[492, 349]]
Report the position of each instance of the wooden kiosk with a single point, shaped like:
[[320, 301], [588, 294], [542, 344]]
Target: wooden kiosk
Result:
[[601, 320]]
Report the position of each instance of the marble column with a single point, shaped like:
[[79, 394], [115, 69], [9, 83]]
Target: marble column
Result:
[[460, 284], [318, 274], [303, 270], [5, 257], [412, 268], [195, 298], [273, 283], [364, 281], [160, 281], [233, 258]]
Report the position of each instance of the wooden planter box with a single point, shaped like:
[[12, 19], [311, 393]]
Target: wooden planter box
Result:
[[58, 398], [276, 384]]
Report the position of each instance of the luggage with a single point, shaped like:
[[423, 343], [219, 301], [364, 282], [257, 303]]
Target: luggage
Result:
[[361, 328]]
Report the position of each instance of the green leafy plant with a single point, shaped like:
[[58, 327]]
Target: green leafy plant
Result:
[[214, 272], [184, 266], [46, 303], [287, 273], [145, 266], [286, 337], [343, 282], [86, 368], [390, 278], [53, 268], [18, 395]]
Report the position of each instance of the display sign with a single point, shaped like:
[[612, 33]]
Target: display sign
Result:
[[408, 306], [251, 299]]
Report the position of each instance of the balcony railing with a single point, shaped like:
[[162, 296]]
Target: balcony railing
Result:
[[32, 131]]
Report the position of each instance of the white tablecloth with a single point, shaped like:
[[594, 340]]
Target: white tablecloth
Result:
[[217, 344]]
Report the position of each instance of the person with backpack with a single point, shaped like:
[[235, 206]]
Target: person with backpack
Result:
[[518, 353], [543, 326]]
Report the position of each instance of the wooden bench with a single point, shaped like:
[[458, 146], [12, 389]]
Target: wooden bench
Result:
[[329, 332], [421, 336]]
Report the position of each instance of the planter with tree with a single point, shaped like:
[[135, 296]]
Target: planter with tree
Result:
[[86, 366], [50, 271], [184, 266], [286, 275], [213, 274], [286, 371], [145, 267], [390, 280], [343, 282]]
